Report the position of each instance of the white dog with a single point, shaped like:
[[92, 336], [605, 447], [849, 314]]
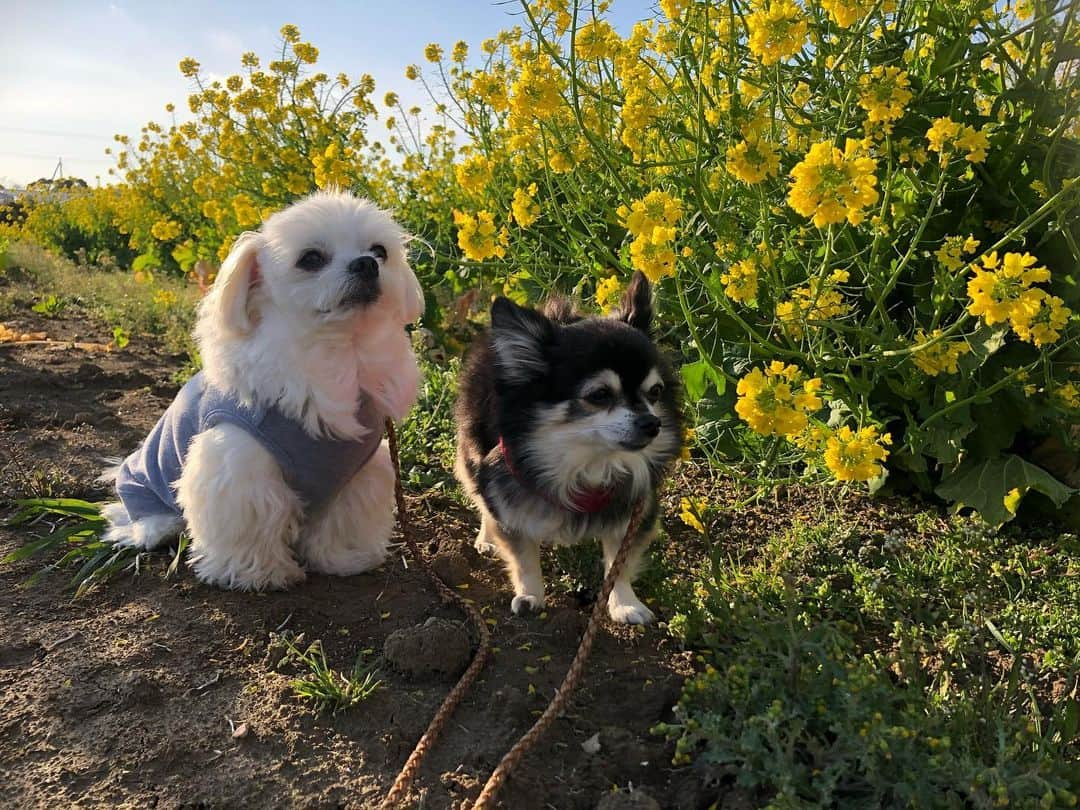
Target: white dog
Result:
[[272, 456]]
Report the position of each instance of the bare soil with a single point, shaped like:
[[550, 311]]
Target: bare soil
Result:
[[130, 695]]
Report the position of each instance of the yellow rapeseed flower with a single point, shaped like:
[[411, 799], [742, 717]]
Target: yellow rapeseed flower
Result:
[[691, 512], [433, 52], [818, 301], [856, 456], [777, 30], [884, 94], [845, 12], [474, 173], [753, 160], [939, 358], [477, 236], [770, 403], [945, 135], [651, 222], [524, 207], [830, 186], [741, 281], [607, 293]]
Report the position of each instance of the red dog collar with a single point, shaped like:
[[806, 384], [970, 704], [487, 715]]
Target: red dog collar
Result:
[[588, 501]]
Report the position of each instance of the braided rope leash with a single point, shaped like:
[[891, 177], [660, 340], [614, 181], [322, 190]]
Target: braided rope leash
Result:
[[400, 790], [573, 674]]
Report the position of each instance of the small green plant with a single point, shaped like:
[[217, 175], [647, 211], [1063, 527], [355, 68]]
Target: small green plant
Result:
[[939, 668], [427, 434], [329, 691], [50, 306], [120, 337], [76, 527], [5, 243]]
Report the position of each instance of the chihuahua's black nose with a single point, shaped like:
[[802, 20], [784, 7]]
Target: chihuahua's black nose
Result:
[[648, 425], [365, 267]]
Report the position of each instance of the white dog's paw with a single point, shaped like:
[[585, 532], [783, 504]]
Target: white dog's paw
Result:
[[629, 611], [345, 562], [484, 547], [235, 575], [526, 603]]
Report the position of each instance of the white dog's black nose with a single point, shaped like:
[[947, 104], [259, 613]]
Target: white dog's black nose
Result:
[[365, 267]]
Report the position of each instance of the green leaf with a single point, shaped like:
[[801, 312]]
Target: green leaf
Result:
[[694, 379], [984, 486]]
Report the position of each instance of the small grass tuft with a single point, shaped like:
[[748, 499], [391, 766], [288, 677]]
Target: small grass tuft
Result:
[[329, 691]]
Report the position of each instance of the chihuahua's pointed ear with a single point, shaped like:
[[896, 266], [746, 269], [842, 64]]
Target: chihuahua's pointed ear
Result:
[[636, 306], [228, 299], [520, 337]]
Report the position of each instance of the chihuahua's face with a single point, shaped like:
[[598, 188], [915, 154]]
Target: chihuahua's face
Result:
[[329, 258], [589, 391]]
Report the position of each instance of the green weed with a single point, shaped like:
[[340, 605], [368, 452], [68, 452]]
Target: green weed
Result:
[[75, 527], [923, 669], [50, 306], [329, 691]]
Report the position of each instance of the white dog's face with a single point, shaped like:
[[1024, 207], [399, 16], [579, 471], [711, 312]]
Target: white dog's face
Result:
[[329, 258], [311, 309]]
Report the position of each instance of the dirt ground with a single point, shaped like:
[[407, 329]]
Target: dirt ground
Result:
[[129, 696]]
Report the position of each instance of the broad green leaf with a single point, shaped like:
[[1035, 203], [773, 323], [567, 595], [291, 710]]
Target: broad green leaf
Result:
[[985, 485]]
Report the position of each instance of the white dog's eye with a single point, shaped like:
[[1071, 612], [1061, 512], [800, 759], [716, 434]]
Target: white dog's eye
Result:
[[312, 260], [379, 252]]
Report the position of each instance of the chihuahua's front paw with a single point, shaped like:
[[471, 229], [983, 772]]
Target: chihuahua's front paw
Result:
[[486, 548], [629, 610], [526, 603]]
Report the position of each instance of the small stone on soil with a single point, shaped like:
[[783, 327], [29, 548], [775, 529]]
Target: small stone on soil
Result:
[[436, 647]]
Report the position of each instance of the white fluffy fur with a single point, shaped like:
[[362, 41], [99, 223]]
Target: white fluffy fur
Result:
[[271, 333]]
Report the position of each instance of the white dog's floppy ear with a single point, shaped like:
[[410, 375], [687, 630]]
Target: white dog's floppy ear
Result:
[[238, 274], [520, 338], [414, 297]]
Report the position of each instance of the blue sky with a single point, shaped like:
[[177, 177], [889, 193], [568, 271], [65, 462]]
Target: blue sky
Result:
[[74, 73]]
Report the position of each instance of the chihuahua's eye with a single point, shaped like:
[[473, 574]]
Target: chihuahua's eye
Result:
[[312, 260], [602, 396], [655, 392], [379, 252]]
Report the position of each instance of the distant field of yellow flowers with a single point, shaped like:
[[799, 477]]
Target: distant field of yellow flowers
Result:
[[861, 214]]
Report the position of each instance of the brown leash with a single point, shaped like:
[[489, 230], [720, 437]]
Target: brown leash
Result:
[[573, 675], [400, 790], [396, 796]]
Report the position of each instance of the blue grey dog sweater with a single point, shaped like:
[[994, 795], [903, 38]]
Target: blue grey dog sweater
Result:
[[316, 468]]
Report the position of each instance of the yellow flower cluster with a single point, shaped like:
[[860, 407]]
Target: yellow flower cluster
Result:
[[692, 510], [753, 160], [1001, 292], [165, 230], [818, 301], [478, 237], [651, 221], [884, 93], [952, 250], [845, 12], [770, 404], [940, 357], [777, 30], [830, 186], [596, 40], [945, 135], [741, 281], [607, 293], [474, 173], [856, 455], [525, 208]]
